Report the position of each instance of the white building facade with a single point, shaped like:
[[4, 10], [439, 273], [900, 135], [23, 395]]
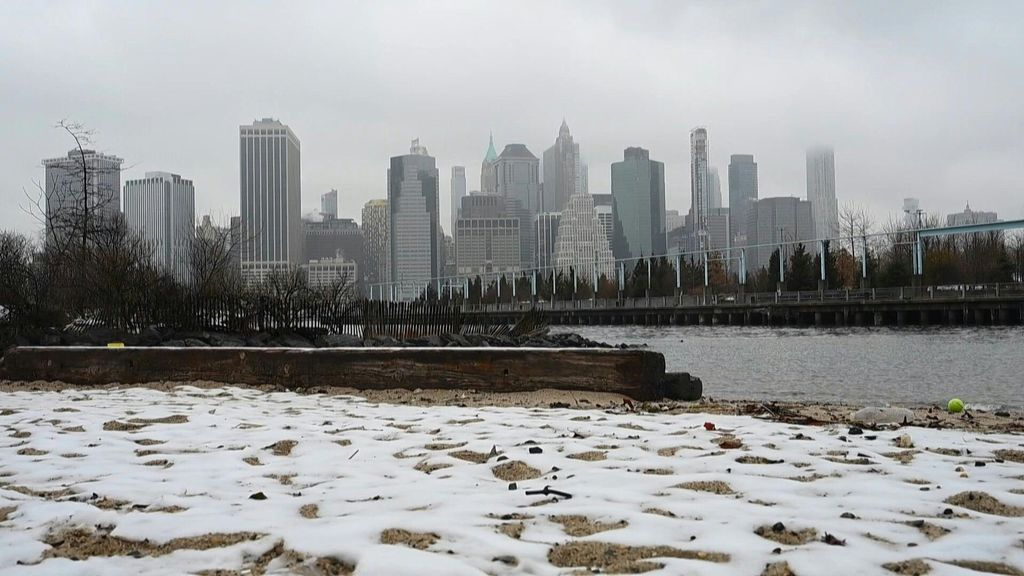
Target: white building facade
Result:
[[161, 207], [330, 271], [581, 244]]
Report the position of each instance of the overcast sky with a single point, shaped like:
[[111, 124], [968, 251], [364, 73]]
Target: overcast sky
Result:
[[921, 99]]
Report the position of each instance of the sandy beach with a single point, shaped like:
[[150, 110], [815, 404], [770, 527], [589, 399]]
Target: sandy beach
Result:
[[206, 479]]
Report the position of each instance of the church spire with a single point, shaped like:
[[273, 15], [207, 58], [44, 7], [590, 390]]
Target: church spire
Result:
[[492, 155]]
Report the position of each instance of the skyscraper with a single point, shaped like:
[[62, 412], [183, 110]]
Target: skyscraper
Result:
[[563, 171], [270, 187], [776, 220], [488, 184], [546, 227], [83, 194], [487, 236], [715, 188], [604, 205], [638, 191], [517, 179], [161, 207], [517, 176], [329, 205], [414, 223], [821, 191], [458, 192], [700, 193], [581, 245], [742, 192], [376, 242]]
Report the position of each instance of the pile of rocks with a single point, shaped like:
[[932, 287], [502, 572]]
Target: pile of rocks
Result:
[[100, 336]]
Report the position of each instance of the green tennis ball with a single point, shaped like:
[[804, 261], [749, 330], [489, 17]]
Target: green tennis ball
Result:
[[955, 405]]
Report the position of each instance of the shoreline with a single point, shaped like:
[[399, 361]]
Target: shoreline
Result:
[[974, 418]]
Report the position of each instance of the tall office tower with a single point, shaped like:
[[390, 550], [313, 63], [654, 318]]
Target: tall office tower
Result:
[[700, 186], [517, 176], [774, 220], [638, 190], [517, 179], [487, 236], [821, 191], [414, 224], [673, 220], [715, 188], [449, 255], [563, 171], [546, 227], [604, 204], [376, 242], [161, 207], [718, 230], [458, 192], [333, 238], [329, 205], [969, 216], [271, 192], [488, 182], [742, 192], [83, 195], [581, 244]]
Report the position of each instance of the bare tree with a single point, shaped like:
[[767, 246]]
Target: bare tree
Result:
[[212, 262], [855, 220], [81, 198]]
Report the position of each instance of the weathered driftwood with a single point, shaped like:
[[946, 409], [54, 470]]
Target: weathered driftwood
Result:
[[638, 374]]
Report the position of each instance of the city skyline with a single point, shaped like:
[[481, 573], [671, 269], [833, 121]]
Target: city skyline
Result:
[[895, 116]]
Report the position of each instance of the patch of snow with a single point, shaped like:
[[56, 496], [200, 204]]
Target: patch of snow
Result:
[[357, 462]]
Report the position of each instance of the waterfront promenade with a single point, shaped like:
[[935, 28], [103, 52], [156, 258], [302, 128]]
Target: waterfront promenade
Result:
[[990, 304]]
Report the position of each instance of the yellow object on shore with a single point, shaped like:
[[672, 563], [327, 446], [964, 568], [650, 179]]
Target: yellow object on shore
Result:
[[955, 405], [115, 344]]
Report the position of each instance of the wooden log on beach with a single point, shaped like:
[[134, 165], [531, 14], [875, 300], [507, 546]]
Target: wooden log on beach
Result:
[[639, 374]]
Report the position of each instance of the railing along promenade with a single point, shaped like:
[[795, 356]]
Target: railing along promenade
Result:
[[985, 304]]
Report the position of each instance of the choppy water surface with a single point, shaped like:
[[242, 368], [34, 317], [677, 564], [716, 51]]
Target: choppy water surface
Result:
[[855, 365]]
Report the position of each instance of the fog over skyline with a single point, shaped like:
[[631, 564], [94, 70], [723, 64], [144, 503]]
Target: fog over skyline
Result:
[[920, 99]]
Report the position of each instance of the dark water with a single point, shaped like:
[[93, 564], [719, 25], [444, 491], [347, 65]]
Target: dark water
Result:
[[983, 366]]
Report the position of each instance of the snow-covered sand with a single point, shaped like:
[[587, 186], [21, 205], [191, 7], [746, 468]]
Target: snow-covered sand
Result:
[[192, 480]]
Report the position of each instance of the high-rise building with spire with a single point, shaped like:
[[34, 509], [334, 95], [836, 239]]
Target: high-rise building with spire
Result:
[[563, 171], [700, 192], [488, 180]]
